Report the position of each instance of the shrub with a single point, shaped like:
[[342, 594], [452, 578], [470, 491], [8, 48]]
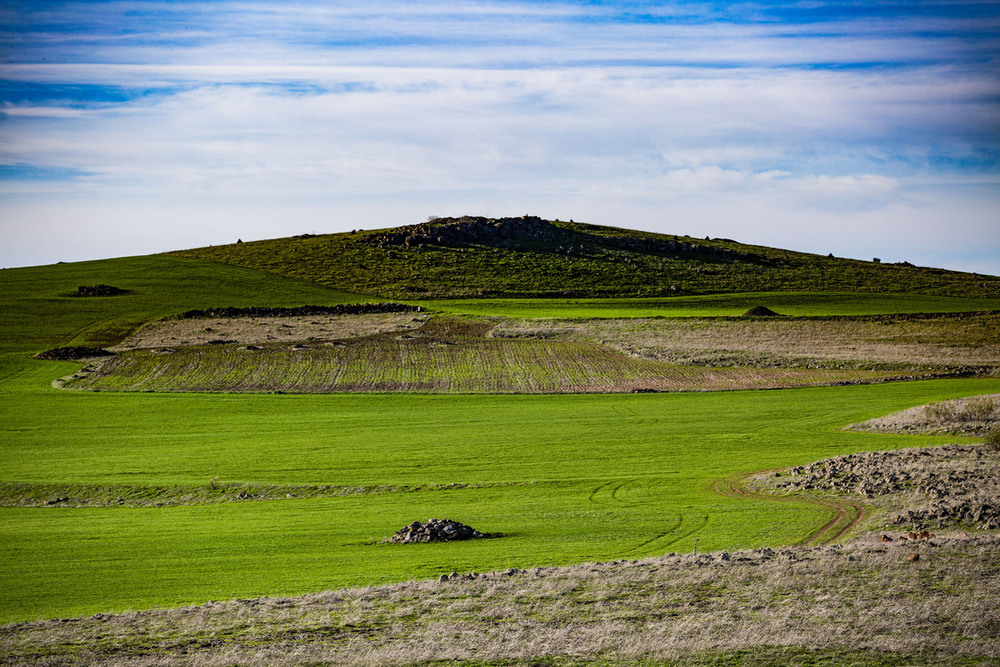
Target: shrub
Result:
[[981, 408], [940, 412], [993, 438]]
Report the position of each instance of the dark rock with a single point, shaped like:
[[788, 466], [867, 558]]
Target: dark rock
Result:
[[760, 311], [435, 530], [98, 290], [73, 353]]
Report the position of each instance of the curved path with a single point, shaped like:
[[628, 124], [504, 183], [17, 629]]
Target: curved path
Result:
[[847, 514]]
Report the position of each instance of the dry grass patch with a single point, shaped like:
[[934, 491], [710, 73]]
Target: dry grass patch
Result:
[[866, 599], [445, 354], [260, 330], [920, 343], [976, 415]]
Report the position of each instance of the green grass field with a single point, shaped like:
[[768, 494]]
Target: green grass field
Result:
[[566, 478], [38, 312], [798, 304]]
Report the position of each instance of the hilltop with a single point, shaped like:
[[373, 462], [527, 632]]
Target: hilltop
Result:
[[476, 257]]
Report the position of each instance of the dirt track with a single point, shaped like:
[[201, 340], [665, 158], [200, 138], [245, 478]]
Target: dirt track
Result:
[[847, 514]]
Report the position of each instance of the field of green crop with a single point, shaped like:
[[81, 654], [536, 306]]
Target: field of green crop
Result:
[[798, 304], [557, 479], [565, 479]]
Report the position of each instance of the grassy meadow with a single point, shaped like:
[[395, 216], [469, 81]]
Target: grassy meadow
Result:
[[797, 304], [557, 479]]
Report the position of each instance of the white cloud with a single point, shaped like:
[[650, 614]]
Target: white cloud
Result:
[[245, 116]]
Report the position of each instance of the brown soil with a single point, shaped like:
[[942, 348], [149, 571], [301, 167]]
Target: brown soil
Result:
[[260, 330]]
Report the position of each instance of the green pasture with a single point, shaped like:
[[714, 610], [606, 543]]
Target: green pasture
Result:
[[565, 479], [798, 304], [38, 312]]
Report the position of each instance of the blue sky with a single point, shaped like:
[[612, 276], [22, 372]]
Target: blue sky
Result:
[[858, 128]]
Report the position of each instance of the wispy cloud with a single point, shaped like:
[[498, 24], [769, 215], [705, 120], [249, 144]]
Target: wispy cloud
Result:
[[678, 117]]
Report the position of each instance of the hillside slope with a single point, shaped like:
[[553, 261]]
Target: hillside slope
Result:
[[531, 257]]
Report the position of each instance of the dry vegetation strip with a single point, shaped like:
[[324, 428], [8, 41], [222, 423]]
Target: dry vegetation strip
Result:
[[443, 355], [952, 340], [174, 332], [868, 601]]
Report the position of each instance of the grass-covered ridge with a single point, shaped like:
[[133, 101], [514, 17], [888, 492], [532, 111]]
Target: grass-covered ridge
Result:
[[529, 257]]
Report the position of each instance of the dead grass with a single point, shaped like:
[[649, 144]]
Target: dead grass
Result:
[[866, 599], [260, 330], [940, 341], [975, 415]]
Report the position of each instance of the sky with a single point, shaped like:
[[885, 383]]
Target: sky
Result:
[[859, 128]]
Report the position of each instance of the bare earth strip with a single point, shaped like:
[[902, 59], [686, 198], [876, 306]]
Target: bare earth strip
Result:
[[393, 364], [260, 330], [945, 340]]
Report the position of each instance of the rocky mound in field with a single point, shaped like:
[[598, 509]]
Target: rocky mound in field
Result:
[[73, 353], [954, 484], [300, 311], [435, 530], [760, 311], [98, 290]]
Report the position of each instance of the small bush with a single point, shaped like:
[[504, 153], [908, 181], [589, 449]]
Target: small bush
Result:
[[993, 439], [940, 412], [982, 408]]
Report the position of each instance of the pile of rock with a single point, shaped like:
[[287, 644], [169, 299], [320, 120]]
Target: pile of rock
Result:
[[760, 311], [435, 530], [977, 513], [98, 290], [471, 230]]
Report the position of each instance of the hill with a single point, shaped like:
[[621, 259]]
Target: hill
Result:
[[476, 257]]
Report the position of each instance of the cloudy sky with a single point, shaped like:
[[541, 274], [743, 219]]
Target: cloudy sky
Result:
[[862, 128]]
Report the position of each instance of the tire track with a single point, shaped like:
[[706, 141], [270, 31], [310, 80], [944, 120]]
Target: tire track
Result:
[[693, 527], [847, 514]]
